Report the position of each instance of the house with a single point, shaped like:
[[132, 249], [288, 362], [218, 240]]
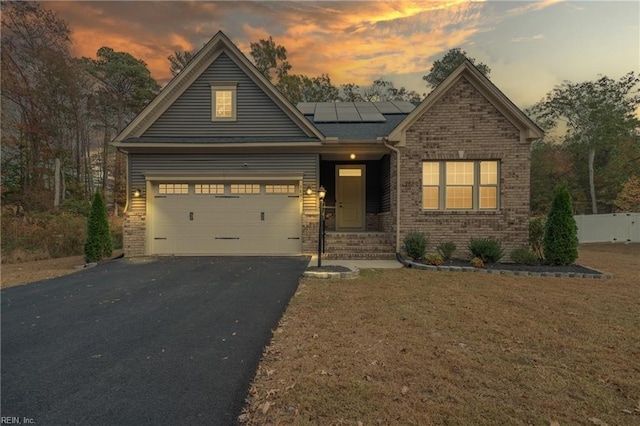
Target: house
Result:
[[221, 163]]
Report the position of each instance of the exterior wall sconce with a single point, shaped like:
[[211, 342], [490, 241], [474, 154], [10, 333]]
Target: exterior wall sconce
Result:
[[136, 193], [308, 191], [352, 156], [321, 194]]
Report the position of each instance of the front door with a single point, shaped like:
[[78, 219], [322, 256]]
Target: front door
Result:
[[350, 197]]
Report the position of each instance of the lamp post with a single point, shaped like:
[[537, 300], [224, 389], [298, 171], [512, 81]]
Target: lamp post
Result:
[[321, 194]]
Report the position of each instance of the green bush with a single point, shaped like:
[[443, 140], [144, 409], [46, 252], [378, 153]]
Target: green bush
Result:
[[415, 243], [487, 249], [536, 236], [433, 259], [561, 233], [446, 249], [524, 256], [98, 244]]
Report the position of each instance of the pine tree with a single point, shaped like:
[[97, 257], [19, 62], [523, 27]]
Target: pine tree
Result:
[[561, 232], [98, 244]]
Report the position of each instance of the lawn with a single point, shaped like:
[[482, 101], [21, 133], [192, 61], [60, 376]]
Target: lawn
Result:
[[420, 347]]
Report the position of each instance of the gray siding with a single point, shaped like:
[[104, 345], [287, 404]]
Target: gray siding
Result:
[[257, 114], [307, 164]]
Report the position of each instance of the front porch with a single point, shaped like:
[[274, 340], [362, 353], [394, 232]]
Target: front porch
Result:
[[357, 217]]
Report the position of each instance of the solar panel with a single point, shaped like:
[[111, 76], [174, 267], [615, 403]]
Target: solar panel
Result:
[[307, 108], [325, 116], [348, 116], [372, 117], [404, 106], [387, 108]]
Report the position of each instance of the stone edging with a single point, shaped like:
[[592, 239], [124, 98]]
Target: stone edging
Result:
[[353, 273], [471, 269]]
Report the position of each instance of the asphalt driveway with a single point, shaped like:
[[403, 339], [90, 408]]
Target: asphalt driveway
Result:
[[173, 340]]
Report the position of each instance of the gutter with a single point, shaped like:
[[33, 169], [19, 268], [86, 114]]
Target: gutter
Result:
[[385, 141]]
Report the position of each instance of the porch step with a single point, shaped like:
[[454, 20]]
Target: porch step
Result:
[[359, 245]]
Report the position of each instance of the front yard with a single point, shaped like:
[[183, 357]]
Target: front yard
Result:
[[420, 347]]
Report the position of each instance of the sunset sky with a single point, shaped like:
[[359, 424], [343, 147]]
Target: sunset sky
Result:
[[530, 46]]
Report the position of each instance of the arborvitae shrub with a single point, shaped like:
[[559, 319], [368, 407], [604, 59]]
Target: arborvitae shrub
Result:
[[415, 243], [98, 244], [561, 232]]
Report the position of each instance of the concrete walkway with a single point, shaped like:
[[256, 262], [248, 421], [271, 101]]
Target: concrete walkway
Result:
[[355, 263]]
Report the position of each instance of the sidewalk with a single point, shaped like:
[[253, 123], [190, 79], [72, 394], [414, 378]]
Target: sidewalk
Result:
[[355, 263]]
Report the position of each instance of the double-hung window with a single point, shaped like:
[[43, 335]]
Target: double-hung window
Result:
[[223, 101], [460, 185]]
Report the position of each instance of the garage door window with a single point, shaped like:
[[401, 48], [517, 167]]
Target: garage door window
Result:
[[245, 188], [280, 189], [173, 188], [209, 188]]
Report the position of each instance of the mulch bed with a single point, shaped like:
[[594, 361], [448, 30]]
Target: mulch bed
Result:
[[578, 269]]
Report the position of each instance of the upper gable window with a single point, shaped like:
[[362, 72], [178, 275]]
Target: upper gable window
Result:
[[223, 101]]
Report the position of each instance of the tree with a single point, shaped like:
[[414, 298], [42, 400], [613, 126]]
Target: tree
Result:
[[43, 101], [441, 68], [179, 60], [269, 58], [629, 198], [597, 115], [125, 87], [561, 233], [384, 90], [98, 244]]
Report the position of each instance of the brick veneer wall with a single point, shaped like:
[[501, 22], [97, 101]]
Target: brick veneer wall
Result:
[[464, 120], [134, 234]]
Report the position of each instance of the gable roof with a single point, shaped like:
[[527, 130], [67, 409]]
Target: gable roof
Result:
[[219, 44], [499, 100]]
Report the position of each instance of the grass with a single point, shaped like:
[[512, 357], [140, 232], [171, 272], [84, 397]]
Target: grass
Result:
[[420, 347]]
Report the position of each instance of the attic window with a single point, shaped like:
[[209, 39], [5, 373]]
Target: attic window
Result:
[[223, 100]]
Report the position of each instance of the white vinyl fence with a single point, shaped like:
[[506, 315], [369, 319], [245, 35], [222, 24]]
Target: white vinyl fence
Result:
[[614, 227]]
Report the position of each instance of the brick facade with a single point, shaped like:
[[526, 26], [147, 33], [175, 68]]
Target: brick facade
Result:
[[464, 120], [134, 235]]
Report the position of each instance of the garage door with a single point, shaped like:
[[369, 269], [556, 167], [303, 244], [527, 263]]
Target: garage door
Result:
[[243, 218]]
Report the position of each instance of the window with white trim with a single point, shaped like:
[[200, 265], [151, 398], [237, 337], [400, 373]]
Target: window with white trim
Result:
[[245, 188], [280, 189], [460, 185], [173, 188], [223, 100], [209, 188]]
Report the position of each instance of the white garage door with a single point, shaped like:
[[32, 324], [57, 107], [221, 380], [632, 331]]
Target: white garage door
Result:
[[244, 218]]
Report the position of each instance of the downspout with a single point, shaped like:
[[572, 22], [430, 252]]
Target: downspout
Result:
[[385, 141]]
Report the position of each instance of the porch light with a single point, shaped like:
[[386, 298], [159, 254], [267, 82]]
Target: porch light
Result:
[[308, 191], [136, 193], [352, 156], [321, 194]]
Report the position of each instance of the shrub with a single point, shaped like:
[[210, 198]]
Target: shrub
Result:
[[487, 249], [476, 262], [561, 233], [524, 256], [536, 236], [42, 236], [433, 259], [446, 249], [415, 244], [98, 244]]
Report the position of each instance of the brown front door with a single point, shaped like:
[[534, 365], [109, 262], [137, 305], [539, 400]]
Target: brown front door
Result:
[[350, 197]]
